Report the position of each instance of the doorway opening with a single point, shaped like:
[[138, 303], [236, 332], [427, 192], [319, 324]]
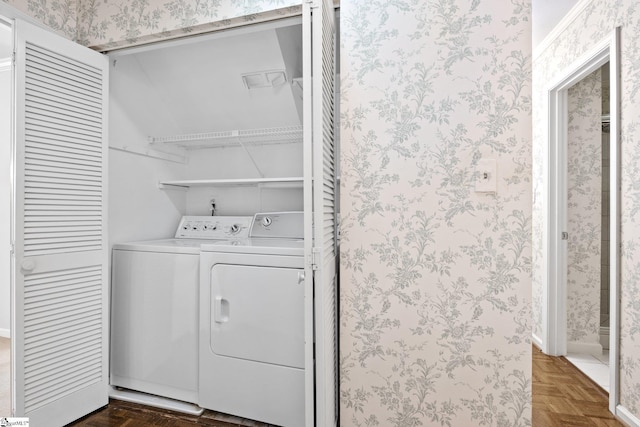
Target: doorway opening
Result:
[[587, 225], [582, 222]]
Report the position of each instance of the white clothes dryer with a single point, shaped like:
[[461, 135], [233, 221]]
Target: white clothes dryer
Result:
[[154, 311], [252, 322]]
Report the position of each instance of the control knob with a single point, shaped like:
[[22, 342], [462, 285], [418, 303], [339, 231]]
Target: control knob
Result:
[[234, 229], [266, 221]]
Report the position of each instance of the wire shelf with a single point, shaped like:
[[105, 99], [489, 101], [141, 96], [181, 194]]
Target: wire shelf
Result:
[[194, 141], [276, 182]]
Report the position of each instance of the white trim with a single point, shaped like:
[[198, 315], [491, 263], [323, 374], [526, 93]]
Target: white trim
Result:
[[554, 191], [5, 333], [537, 341], [615, 167], [584, 348], [155, 401], [307, 168], [5, 64], [575, 11], [626, 416], [587, 63], [604, 337]]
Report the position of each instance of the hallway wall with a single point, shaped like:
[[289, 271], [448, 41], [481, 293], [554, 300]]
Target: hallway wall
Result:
[[435, 277], [435, 285], [58, 15], [106, 25], [596, 21]]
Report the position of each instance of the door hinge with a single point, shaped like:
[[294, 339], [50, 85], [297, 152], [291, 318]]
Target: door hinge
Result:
[[565, 235], [315, 257]]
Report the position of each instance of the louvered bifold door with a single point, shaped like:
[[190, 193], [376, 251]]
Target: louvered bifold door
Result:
[[60, 252], [324, 210]]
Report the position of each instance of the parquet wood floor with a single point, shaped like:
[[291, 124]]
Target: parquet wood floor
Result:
[[125, 414], [562, 397]]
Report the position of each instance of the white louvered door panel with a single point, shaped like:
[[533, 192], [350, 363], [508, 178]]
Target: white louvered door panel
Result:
[[322, 159], [60, 255]]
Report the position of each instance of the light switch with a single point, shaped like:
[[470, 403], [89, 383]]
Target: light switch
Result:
[[487, 176]]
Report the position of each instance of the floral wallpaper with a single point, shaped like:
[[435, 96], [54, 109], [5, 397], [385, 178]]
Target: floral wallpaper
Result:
[[59, 15], [584, 212], [105, 25], [435, 277], [596, 22]]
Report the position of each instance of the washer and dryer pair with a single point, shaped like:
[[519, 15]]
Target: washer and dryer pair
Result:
[[215, 317]]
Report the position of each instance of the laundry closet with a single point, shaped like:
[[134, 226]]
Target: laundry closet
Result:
[[209, 128], [225, 125], [213, 119]]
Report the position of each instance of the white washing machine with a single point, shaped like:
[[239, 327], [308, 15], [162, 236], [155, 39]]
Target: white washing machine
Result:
[[154, 311], [252, 322]]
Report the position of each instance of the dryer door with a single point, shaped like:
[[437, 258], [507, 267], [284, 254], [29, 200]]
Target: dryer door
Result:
[[257, 313]]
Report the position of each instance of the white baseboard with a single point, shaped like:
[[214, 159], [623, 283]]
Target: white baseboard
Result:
[[604, 337], [584, 347], [627, 417], [537, 341], [5, 333]]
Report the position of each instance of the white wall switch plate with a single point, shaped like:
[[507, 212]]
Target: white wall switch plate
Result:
[[487, 176]]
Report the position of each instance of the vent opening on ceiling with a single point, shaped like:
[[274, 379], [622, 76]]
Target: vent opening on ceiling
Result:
[[264, 79]]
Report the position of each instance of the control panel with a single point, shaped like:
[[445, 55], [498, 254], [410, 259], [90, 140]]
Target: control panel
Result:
[[287, 225], [213, 227]]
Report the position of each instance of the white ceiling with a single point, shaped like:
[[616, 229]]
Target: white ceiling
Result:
[[546, 15]]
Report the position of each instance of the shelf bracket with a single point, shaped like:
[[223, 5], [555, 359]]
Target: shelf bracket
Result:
[[315, 258], [255, 165]]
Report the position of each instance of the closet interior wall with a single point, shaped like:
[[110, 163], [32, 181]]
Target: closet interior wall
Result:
[[197, 86]]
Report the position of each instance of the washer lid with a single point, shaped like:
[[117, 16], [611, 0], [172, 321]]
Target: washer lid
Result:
[[291, 247], [180, 246]]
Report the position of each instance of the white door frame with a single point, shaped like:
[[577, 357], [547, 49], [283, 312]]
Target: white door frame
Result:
[[554, 313]]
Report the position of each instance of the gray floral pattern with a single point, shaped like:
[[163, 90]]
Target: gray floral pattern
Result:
[[435, 277], [105, 25], [59, 15], [584, 200], [130, 22], [598, 19]]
